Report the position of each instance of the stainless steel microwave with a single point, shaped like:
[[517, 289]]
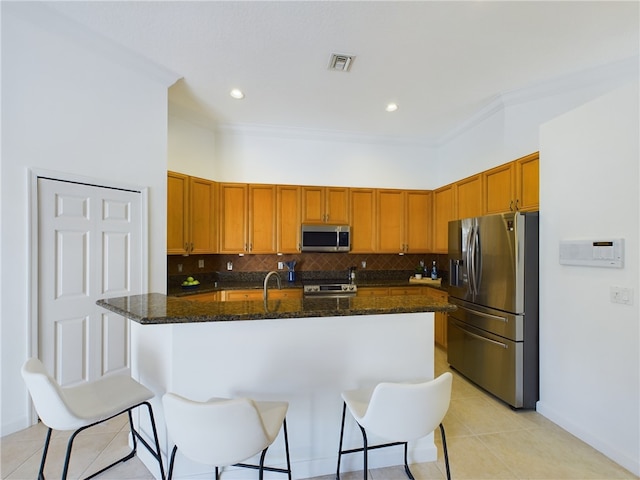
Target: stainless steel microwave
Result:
[[326, 238]]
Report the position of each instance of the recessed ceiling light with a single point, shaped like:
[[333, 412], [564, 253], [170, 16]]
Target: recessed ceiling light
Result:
[[236, 93], [391, 107]]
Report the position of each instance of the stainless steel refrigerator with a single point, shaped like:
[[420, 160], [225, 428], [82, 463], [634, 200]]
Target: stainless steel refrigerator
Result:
[[492, 337]]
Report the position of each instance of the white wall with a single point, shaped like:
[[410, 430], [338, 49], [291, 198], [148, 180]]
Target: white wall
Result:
[[507, 128], [295, 156], [68, 109], [589, 347]]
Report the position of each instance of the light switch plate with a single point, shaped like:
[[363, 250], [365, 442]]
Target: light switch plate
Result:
[[621, 295]]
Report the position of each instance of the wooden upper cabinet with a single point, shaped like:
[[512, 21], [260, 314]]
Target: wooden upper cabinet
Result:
[[325, 205], [469, 198], [390, 220], [177, 213], [499, 188], [288, 209], [513, 186], [443, 212], [202, 217], [247, 218], [404, 221], [191, 215], [528, 182], [262, 219], [418, 221], [363, 220], [233, 218]]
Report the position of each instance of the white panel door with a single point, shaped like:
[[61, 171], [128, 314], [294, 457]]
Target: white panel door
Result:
[[90, 247]]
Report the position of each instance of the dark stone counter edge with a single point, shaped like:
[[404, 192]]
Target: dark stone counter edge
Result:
[[433, 306]]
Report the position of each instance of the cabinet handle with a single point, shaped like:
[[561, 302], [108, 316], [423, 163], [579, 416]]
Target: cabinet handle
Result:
[[250, 246], [186, 247], [517, 206], [191, 247], [511, 206]]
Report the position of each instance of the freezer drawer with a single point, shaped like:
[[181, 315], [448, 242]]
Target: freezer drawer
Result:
[[492, 362], [500, 323]]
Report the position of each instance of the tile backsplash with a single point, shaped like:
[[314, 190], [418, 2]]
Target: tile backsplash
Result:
[[305, 262]]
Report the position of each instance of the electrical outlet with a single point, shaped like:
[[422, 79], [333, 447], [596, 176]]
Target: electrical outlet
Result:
[[179, 268], [280, 265], [363, 263], [621, 295], [229, 265], [201, 263]]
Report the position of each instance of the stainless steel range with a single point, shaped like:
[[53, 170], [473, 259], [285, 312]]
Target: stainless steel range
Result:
[[330, 289]]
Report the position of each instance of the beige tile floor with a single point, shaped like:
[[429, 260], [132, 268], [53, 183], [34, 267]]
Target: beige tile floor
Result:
[[486, 440]]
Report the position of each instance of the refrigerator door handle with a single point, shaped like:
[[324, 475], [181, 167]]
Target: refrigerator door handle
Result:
[[469, 260], [473, 274], [485, 339]]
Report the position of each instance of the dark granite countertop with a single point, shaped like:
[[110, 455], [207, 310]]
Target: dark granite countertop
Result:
[[157, 308]]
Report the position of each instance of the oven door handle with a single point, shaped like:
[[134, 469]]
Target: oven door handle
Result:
[[480, 337]]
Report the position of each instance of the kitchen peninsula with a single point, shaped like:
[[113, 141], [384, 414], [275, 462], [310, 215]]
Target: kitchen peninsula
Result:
[[304, 351]]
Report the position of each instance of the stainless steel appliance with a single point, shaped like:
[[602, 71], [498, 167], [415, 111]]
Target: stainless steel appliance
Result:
[[326, 238], [319, 289], [492, 338]]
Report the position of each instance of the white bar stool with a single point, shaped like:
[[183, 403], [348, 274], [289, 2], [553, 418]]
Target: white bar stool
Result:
[[83, 406], [398, 412], [222, 432]]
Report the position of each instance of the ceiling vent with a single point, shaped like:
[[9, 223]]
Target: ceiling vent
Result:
[[340, 62]]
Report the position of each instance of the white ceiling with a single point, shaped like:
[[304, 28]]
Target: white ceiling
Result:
[[440, 61]]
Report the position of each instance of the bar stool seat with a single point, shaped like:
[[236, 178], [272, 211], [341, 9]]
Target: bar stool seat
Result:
[[399, 413], [222, 432], [83, 406]]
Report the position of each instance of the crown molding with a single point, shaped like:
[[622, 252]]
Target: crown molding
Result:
[[616, 73], [47, 18]]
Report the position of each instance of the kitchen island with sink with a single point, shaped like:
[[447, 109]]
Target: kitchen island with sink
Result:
[[304, 351]]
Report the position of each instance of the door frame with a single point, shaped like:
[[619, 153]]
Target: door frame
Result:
[[33, 235]]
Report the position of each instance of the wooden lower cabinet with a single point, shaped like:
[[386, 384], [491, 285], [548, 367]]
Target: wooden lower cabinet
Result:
[[405, 291], [240, 295], [257, 294], [204, 297], [372, 292], [440, 318], [291, 293]]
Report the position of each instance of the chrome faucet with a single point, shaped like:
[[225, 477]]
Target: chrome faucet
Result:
[[266, 280]]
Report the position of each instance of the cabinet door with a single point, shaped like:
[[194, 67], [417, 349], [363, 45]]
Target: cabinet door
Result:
[[313, 205], [499, 189], [469, 197], [288, 219], [440, 318], [177, 213], [325, 205], [442, 214], [363, 220], [372, 292], [262, 219], [390, 219], [202, 216], [337, 205], [405, 291], [288, 293], [241, 295], [204, 297], [233, 218], [418, 221], [528, 182]]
